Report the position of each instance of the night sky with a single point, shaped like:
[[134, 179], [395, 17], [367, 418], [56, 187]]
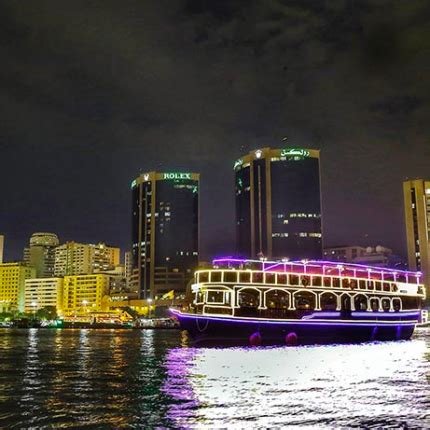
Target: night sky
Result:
[[94, 92]]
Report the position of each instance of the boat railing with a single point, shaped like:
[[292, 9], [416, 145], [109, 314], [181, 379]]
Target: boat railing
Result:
[[248, 277], [241, 300]]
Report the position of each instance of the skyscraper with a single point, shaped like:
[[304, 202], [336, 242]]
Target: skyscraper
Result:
[[417, 220], [41, 253], [278, 204], [165, 230]]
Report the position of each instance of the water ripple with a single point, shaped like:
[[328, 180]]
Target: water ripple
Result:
[[131, 378]]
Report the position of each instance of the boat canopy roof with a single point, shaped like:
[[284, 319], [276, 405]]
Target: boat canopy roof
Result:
[[319, 267]]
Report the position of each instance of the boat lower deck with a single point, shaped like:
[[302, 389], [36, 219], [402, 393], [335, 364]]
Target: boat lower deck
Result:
[[318, 327]]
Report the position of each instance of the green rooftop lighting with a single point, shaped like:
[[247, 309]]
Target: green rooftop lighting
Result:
[[295, 153], [177, 176]]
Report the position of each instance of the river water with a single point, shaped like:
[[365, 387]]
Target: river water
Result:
[[154, 378]]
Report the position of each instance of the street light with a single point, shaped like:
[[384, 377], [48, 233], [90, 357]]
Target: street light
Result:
[[34, 306]]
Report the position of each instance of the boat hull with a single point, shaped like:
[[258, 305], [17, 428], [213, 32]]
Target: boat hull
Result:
[[313, 330]]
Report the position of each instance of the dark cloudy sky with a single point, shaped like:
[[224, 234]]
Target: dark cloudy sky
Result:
[[92, 92]]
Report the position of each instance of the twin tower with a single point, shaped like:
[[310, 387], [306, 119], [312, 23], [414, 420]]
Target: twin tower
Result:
[[278, 215]]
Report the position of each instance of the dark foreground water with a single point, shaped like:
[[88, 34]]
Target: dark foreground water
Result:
[[114, 379]]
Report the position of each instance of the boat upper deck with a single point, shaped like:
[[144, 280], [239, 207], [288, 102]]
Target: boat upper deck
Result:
[[321, 268]]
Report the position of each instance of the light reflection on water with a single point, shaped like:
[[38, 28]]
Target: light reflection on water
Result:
[[148, 378], [343, 385]]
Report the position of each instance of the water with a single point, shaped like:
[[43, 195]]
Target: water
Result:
[[117, 379]]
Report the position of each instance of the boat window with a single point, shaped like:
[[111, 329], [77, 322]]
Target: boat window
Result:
[[304, 300], [257, 278], [327, 281], [401, 278], [374, 304], [345, 283], [249, 299], [353, 284], [336, 282], [410, 303], [215, 297], [215, 276], [370, 285], [304, 280], [316, 281], [270, 278], [389, 276], [203, 277], [328, 301], [277, 299], [345, 302], [360, 302], [294, 280], [282, 278], [394, 287], [227, 298], [386, 304], [362, 284], [397, 304], [386, 286], [230, 276], [377, 286], [199, 297], [245, 277]]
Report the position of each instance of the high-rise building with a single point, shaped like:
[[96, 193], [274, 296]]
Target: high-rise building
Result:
[[43, 292], [379, 256], [12, 285], [74, 258], [278, 204], [1, 248], [128, 264], [417, 220], [41, 253], [165, 231], [86, 293]]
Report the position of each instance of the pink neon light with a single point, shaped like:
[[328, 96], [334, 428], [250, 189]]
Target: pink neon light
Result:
[[320, 264]]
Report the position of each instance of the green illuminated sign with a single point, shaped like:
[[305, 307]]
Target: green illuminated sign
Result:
[[177, 176], [134, 183], [295, 153], [238, 163]]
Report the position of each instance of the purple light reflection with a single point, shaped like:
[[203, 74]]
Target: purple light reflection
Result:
[[179, 364]]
